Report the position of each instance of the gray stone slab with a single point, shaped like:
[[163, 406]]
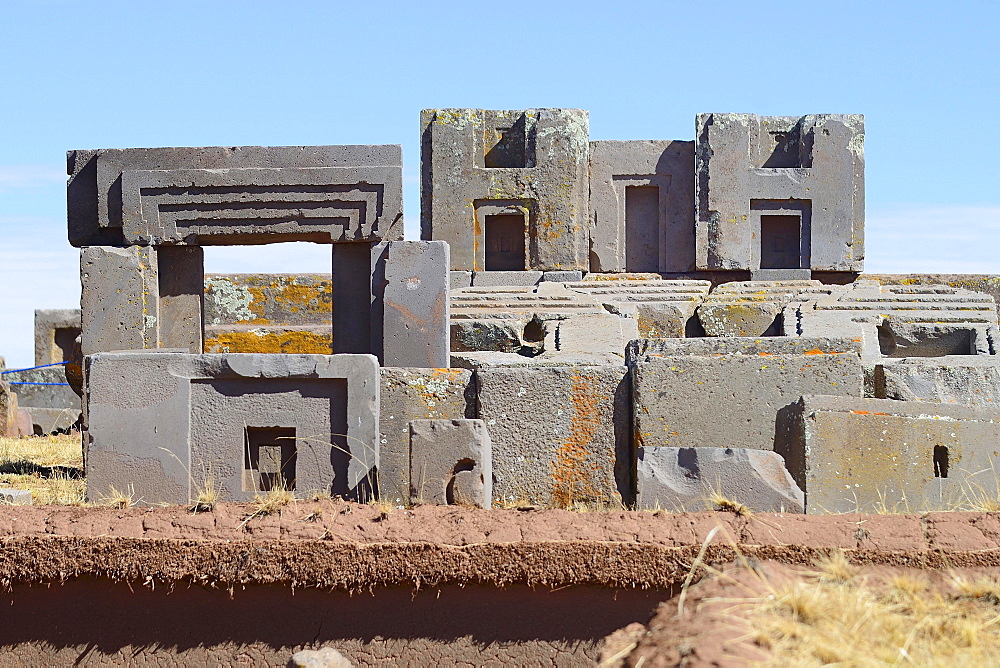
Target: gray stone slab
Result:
[[43, 388], [159, 423], [459, 279], [415, 305], [729, 393], [55, 334], [52, 420], [451, 463], [561, 276], [781, 274], [595, 333], [274, 299], [496, 279], [749, 308], [15, 497], [684, 479], [412, 394], [877, 455], [641, 206], [119, 299], [780, 192], [964, 379], [106, 189], [560, 434], [487, 359], [8, 411], [507, 190]]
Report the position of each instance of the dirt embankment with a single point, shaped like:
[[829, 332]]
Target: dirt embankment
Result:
[[429, 584]]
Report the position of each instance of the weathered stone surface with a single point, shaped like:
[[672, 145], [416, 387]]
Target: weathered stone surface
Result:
[[661, 309], [118, 197], [503, 336], [415, 305], [119, 299], [967, 379], [897, 320], [460, 279], [51, 420], [325, 657], [560, 434], [8, 411], [15, 497], [505, 279], [595, 333], [486, 359], [268, 299], [161, 422], [641, 206], [562, 276], [758, 177], [868, 455], [43, 388], [748, 308], [728, 393], [987, 284], [55, 334], [451, 463], [507, 190], [411, 394], [679, 479]]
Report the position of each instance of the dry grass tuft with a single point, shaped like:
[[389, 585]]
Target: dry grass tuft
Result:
[[271, 501], [834, 615], [728, 505], [208, 496], [119, 499]]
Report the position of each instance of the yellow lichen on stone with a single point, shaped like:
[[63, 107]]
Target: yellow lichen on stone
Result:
[[262, 341]]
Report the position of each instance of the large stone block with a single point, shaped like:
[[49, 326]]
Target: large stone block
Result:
[[560, 434], [140, 297], [868, 455], [243, 194], [641, 206], [898, 320], [451, 463], [415, 305], [8, 411], [507, 190], [778, 192], [661, 309], [683, 479], [748, 308], [729, 393], [161, 423], [412, 394], [45, 396], [56, 331], [973, 380]]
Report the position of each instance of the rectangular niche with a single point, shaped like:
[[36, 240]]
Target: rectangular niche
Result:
[[782, 232], [270, 456], [505, 235], [507, 140], [642, 228]]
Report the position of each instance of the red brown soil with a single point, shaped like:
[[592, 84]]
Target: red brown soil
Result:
[[430, 584]]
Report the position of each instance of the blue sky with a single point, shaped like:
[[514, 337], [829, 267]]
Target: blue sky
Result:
[[184, 73]]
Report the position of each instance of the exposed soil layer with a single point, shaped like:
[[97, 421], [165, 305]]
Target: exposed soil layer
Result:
[[430, 585]]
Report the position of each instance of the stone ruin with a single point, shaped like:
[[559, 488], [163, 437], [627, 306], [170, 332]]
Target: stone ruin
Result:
[[616, 323]]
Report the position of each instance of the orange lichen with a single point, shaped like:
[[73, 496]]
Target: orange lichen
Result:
[[572, 475], [258, 341]]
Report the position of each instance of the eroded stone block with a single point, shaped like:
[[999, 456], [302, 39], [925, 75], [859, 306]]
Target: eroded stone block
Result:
[[967, 379], [780, 192], [412, 394], [507, 190], [451, 463], [870, 455], [119, 197], [415, 305], [560, 434], [641, 206], [56, 331], [161, 422], [683, 479], [748, 308], [729, 393]]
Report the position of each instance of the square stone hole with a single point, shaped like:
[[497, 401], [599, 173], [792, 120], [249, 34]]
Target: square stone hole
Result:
[[269, 458]]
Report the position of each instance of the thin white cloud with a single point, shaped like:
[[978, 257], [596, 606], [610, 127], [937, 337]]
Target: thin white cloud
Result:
[[933, 239], [23, 177]]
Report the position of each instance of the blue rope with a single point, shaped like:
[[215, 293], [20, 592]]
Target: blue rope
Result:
[[28, 383], [32, 368]]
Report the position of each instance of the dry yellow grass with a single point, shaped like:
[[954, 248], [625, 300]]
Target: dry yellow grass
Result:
[[30, 456], [45, 451], [835, 615]]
